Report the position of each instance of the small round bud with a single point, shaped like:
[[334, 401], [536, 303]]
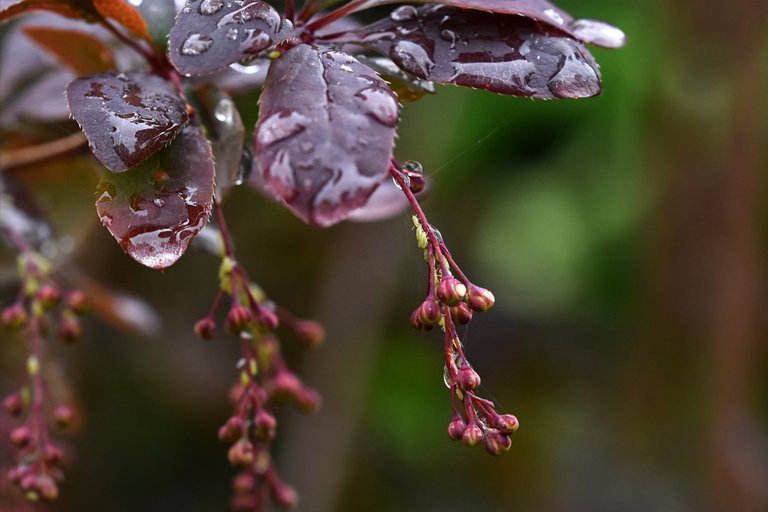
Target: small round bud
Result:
[[69, 329], [53, 454], [21, 436], [264, 426], [205, 328], [416, 322], [506, 423], [47, 487], [456, 428], [309, 333], [461, 313], [284, 495], [429, 312], [496, 443], [231, 430], [472, 435], [78, 302], [13, 404], [415, 172], [286, 384], [238, 319], [308, 400], [244, 483], [266, 320], [468, 379], [49, 297], [451, 291], [241, 453], [64, 416], [14, 317], [480, 299]]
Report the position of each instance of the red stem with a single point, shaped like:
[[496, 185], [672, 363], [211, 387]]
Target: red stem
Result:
[[354, 5]]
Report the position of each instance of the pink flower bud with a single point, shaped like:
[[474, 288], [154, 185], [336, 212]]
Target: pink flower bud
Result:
[[461, 313], [264, 425], [241, 453], [506, 423], [14, 317], [205, 328], [456, 428], [13, 405], [238, 319], [472, 435], [451, 291], [232, 429], [480, 299], [309, 333], [429, 312], [69, 329], [49, 297], [308, 400], [266, 320], [244, 483], [47, 487], [468, 379], [416, 322], [284, 495], [21, 436], [286, 384], [78, 302], [64, 416], [496, 443]]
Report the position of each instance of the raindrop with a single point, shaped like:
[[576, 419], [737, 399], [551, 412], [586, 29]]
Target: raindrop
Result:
[[599, 33], [135, 3], [554, 16], [196, 44], [449, 36], [232, 34], [447, 377], [158, 202], [381, 105], [413, 58], [224, 111], [404, 13], [209, 7], [307, 146], [279, 126]]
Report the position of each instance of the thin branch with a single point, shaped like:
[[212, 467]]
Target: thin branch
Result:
[[32, 154]]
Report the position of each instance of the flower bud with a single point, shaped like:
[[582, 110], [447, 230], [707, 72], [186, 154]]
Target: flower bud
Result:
[[47, 487], [14, 317], [309, 333], [461, 313], [244, 483], [506, 423], [69, 329], [468, 379], [238, 319], [472, 435], [21, 436], [232, 429], [49, 297], [53, 454], [284, 495], [266, 320], [13, 404], [264, 425], [480, 299], [286, 384], [496, 443], [78, 302], [451, 291], [64, 416], [241, 453], [416, 322], [429, 312], [456, 428], [205, 328], [308, 400]]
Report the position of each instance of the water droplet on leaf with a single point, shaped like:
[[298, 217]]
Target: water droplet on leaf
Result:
[[196, 44], [209, 7]]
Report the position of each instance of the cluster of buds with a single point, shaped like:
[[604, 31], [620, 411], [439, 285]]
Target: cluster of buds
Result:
[[451, 300], [264, 379], [39, 306]]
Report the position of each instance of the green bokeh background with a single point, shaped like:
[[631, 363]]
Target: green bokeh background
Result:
[[624, 238]]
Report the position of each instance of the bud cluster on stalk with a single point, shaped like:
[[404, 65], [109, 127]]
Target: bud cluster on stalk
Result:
[[41, 311], [264, 379]]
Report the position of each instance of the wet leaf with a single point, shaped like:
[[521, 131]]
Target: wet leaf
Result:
[[325, 133], [68, 8], [126, 116], [544, 12], [227, 134], [505, 54], [405, 86], [154, 210], [81, 52], [125, 14], [209, 35]]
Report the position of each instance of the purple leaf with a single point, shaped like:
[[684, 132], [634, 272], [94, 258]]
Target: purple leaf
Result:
[[506, 54], [126, 116], [325, 133], [544, 12], [209, 35], [154, 210]]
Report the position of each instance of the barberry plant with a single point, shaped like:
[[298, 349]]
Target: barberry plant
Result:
[[163, 125]]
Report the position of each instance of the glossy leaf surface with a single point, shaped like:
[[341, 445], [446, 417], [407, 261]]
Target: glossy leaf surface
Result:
[[154, 210], [68, 8], [505, 54], [325, 133], [544, 12], [209, 35], [81, 52], [126, 116]]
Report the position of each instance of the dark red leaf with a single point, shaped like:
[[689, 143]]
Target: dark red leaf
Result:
[[505, 54], [544, 12], [154, 210], [209, 35], [325, 133], [126, 116]]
